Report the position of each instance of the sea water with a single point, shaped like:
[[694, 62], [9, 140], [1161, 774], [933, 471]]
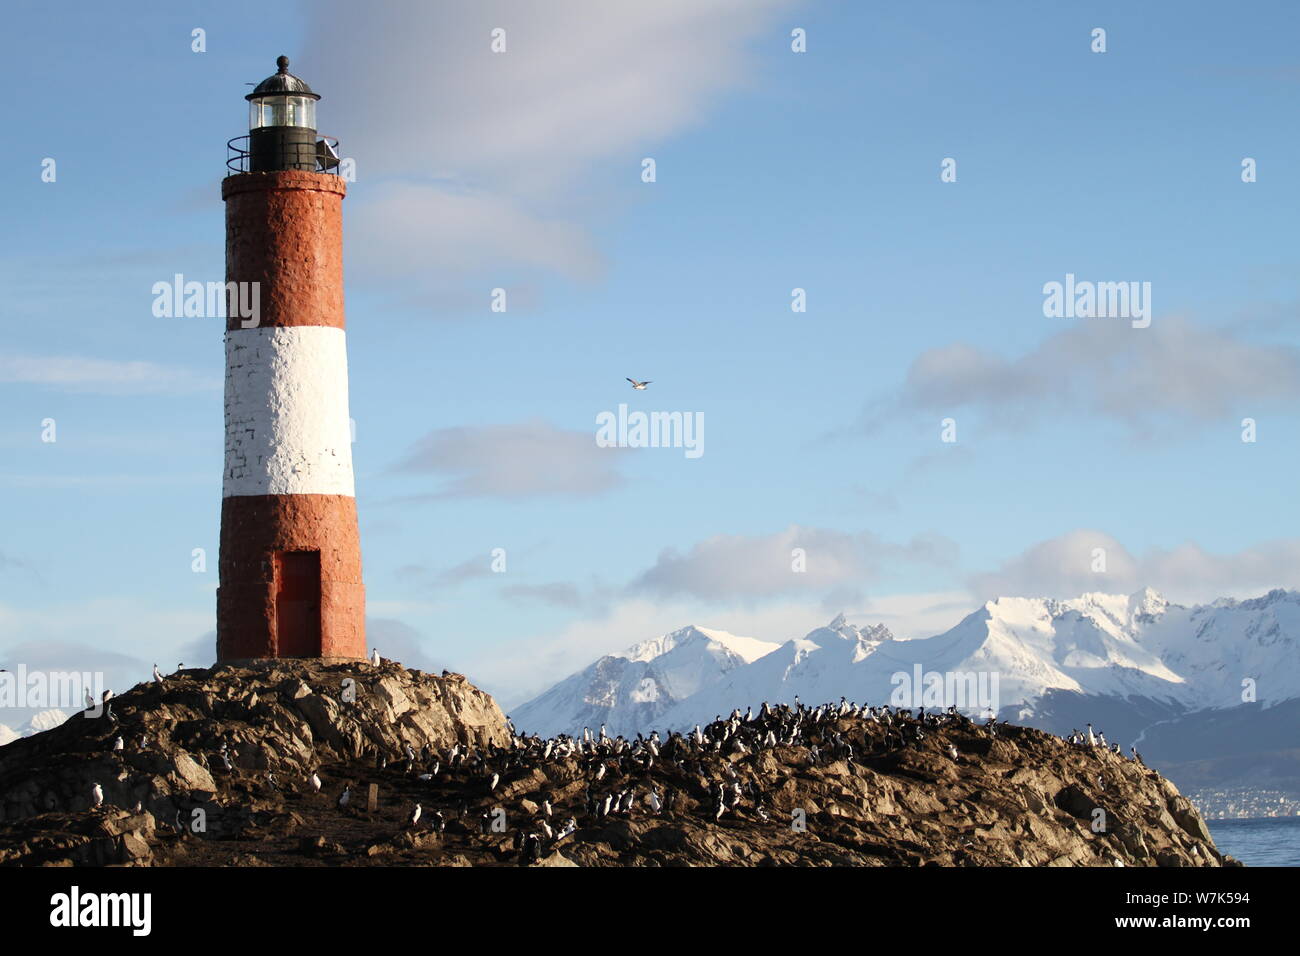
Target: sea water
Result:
[[1266, 841]]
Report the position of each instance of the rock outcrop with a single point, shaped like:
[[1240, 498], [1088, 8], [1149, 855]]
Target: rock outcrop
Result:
[[286, 718], [216, 769]]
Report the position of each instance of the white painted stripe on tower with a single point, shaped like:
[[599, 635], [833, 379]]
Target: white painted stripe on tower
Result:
[[287, 427]]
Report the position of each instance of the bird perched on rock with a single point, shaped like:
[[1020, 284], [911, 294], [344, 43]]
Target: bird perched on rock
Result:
[[119, 743], [97, 795], [157, 674], [414, 818], [314, 780], [533, 848], [345, 796], [374, 657]]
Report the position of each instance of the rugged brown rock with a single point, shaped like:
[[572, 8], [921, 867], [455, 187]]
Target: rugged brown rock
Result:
[[1012, 797]]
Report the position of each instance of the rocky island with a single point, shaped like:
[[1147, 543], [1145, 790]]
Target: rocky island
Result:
[[248, 764]]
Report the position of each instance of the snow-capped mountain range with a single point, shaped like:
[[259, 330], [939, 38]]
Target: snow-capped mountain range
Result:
[[1122, 648]]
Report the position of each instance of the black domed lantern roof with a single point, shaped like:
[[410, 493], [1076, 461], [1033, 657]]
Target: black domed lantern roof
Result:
[[282, 83]]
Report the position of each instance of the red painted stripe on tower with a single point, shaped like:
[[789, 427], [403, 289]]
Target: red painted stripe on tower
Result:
[[284, 230]]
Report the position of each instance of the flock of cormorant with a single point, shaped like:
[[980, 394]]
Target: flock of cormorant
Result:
[[703, 771]]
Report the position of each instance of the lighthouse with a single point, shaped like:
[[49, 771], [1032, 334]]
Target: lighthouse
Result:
[[290, 565]]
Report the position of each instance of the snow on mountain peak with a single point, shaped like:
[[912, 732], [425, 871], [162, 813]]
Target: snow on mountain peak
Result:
[[1146, 605], [842, 629], [1114, 613], [746, 648], [45, 720], [627, 691]]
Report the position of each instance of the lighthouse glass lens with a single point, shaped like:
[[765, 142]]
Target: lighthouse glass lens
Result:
[[304, 109], [282, 111]]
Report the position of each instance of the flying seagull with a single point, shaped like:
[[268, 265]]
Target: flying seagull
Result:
[[639, 386]]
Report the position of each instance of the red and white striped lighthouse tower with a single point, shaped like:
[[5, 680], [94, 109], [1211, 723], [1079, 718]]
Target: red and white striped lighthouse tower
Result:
[[290, 564]]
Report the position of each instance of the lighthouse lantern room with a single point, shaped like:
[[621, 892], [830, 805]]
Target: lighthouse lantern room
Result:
[[282, 122]]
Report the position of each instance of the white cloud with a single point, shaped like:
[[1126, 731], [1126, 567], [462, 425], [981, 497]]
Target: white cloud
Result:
[[1062, 567], [728, 567], [1173, 371], [531, 459], [103, 376], [411, 228], [491, 159], [102, 629], [580, 80]]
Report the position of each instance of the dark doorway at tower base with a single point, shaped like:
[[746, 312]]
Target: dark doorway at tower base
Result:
[[297, 604]]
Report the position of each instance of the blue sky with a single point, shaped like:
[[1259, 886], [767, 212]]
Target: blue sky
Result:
[[775, 170]]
